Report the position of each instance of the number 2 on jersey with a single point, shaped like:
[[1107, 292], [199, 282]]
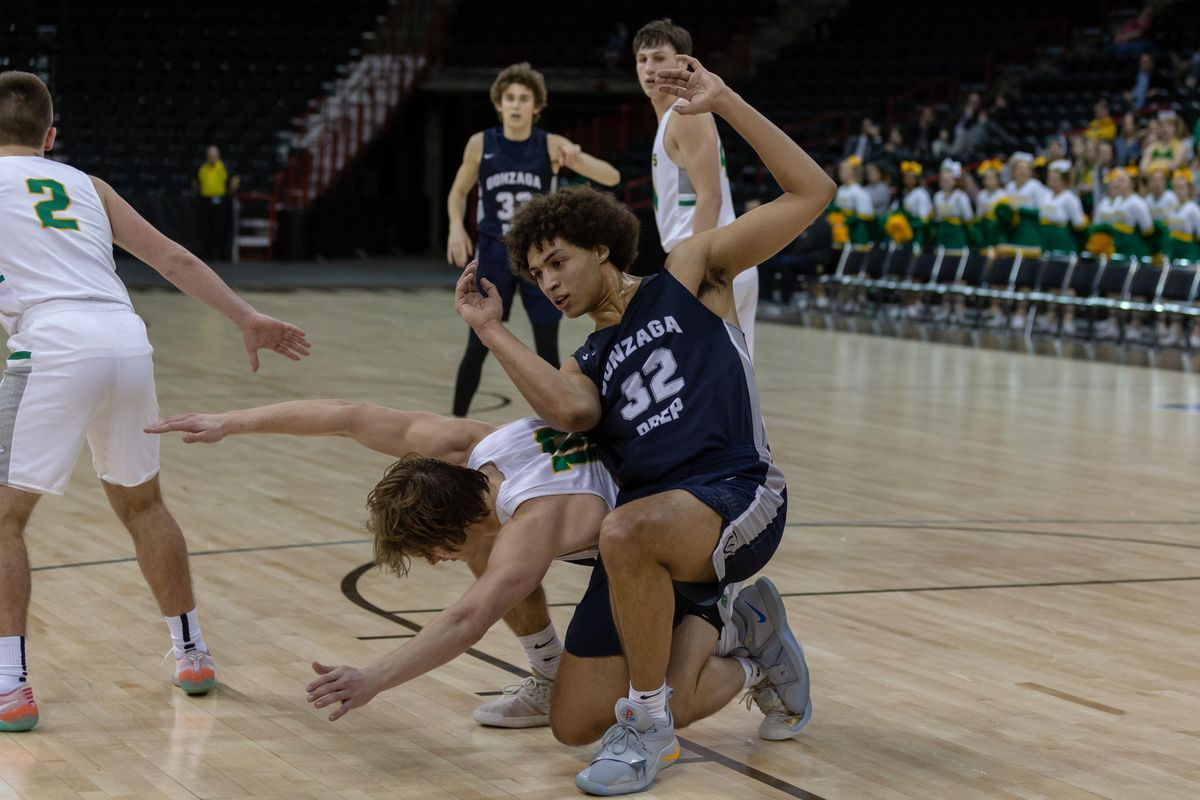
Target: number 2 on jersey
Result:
[[659, 368], [59, 201]]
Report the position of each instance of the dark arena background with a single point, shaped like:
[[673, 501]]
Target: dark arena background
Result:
[[976, 368]]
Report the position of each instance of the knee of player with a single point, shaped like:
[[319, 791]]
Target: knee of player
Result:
[[570, 730], [620, 534]]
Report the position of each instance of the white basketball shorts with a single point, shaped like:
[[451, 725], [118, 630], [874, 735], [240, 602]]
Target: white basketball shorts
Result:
[[78, 370]]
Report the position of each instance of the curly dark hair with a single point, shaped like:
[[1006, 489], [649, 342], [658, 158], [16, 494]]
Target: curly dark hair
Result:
[[579, 215], [420, 504]]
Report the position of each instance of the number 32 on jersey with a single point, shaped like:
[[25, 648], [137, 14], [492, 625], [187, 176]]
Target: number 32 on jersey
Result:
[[659, 370]]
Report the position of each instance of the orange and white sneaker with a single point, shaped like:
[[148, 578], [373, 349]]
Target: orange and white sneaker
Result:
[[195, 672], [18, 711]]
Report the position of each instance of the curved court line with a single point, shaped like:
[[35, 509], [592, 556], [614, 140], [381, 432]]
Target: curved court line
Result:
[[349, 588], [206, 553]]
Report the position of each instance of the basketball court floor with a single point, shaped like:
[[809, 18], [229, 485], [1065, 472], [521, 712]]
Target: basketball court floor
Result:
[[993, 560]]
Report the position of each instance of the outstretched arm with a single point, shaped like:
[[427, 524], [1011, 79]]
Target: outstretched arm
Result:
[[459, 247], [132, 233], [565, 153], [520, 558], [385, 430], [564, 398], [754, 237]]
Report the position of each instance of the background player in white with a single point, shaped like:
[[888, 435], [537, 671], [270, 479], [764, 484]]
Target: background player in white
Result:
[[80, 367], [521, 496], [691, 184]]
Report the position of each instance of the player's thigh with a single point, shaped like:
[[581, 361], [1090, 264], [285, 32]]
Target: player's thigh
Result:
[[44, 412], [674, 528], [122, 453]]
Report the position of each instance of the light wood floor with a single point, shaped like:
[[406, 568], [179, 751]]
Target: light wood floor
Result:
[[993, 562]]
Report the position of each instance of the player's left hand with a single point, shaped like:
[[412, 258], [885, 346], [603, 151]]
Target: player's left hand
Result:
[[698, 88], [478, 309], [348, 687], [568, 154], [260, 332]]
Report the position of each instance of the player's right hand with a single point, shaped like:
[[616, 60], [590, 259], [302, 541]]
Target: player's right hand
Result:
[[459, 248], [206, 428], [697, 88], [477, 308]]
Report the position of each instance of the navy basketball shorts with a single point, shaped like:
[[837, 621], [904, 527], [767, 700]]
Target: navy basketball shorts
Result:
[[493, 265], [752, 505]]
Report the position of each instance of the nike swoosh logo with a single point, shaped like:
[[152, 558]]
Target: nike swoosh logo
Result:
[[761, 616], [543, 644]]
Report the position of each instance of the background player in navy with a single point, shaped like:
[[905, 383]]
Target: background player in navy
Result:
[[511, 163], [667, 387]]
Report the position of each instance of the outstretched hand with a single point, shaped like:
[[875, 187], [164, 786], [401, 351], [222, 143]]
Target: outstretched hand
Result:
[[697, 88], [348, 687], [207, 428], [260, 332], [478, 309]]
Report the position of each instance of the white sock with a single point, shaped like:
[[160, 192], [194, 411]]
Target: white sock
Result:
[[12, 663], [655, 702], [727, 640], [754, 674], [544, 651], [185, 633]]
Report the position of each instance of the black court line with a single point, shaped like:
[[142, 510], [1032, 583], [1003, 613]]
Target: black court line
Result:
[[225, 551], [389, 636], [350, 590], [925, 527]]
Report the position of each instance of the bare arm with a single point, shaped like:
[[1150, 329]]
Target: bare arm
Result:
[[565, 153], [565, 398], [520, 558], [459, 247], [696, 140], [132, 233], [384, 430], [720, 254]]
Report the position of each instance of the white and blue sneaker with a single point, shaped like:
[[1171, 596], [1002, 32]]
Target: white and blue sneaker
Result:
[[761, 620], [631, 752]]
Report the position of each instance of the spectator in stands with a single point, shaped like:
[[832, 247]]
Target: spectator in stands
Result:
[[1130, 38], [966, 117], [1055, 149], [616, 46], [879, 187], [865, 143], [1161, 200], [215, 185], [943, 145], [984, 136], [1102, 126], [895, 150], [1127, 147], [1191, 75], [1147, 84], [924, 132], [1096, 179], [1182, 142]]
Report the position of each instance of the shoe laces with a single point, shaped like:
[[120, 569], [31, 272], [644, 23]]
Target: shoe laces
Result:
[[532, 684], [620, 738], [766, 698]]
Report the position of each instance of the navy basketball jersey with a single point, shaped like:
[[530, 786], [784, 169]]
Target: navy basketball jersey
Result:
[[510, 174], [677, 390]]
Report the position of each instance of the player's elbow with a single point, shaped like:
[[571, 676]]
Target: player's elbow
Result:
[[575, 418], [825, 189]]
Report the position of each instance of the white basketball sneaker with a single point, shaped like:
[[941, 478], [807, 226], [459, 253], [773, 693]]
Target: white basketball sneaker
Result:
[[761, 620], [523, 705], [631, 753]]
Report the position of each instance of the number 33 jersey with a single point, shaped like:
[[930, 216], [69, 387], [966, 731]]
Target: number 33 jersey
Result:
[[510, 174], [677, 390], [55, 238]]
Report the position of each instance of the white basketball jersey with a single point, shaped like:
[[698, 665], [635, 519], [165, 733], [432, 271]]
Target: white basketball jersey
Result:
[[537, 461], [55, 238], [674, 196]]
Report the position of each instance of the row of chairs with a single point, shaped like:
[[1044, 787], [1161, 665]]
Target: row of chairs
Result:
[[877, 277]]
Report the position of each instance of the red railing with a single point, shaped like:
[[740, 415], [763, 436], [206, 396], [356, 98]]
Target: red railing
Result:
[[331, 136]]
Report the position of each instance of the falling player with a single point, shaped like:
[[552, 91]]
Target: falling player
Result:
[[511, 163]]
